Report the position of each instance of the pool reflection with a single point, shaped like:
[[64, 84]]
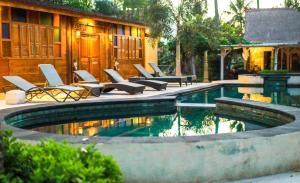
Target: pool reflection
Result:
[[186, 122]]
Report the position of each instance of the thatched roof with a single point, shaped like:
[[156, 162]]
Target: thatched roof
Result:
[[277, 25]]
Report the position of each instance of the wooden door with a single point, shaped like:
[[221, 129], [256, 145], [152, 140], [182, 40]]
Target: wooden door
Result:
[[89, 54]]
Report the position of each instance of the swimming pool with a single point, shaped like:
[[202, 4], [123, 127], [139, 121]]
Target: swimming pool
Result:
[[282, 96], [158, 119], [184, 122]]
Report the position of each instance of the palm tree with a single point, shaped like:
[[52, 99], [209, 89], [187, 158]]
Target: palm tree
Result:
[[237, 10], [217, 15]]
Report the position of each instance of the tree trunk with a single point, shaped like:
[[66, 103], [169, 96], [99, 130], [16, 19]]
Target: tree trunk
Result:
[[217, 15], [178, 63], [192, 65]]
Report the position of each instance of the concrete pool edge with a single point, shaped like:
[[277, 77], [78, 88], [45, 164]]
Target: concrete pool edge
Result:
[[215, 158]]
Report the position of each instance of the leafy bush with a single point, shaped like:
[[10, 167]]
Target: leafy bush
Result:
[[51, 162], [273, 72]]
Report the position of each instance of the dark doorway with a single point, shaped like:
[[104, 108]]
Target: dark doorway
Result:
[[295, 63], [267, 60]]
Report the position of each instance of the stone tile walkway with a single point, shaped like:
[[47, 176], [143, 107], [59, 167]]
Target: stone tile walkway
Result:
[[115, 94]]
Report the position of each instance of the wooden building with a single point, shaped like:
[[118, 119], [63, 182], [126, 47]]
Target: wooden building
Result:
[[35, 32]]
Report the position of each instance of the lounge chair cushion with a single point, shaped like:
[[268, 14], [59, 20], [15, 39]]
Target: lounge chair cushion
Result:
[[51, 74], [86, 76]]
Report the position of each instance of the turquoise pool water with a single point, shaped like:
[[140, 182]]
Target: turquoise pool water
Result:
[[181, 122], [289, 96], [185, 122]]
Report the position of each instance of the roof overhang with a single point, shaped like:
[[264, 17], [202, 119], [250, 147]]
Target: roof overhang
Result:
[[255, 45], [68, 11]]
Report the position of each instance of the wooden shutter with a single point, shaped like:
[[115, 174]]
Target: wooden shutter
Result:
[[34, 40], [50, 36], [37, 36], [130, 40], [137, 48], [15, 40], [24, 40], [44, 40], [119, 47], [133, 48]]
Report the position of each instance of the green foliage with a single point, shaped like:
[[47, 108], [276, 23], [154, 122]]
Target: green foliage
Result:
[[51, 162], [107, 7], [87, 5], [273, 72], [238, 9], [292, 4]]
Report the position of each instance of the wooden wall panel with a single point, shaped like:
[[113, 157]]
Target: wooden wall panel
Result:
[[4, 71], [28, 69]]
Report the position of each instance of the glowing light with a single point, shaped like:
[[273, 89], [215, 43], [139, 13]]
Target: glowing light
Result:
[[147, 31], [78, 34], [80, 130], [110, 38], [148, 121]]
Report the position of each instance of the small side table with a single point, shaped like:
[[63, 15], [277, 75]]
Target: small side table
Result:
[[135, 78], [191, 78]]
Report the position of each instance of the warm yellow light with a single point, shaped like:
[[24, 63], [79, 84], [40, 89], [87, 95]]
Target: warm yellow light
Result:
[[147, 31], [110, 38], [78, 34], [90, 30], [80, 130], [148, 121], [86, 21]]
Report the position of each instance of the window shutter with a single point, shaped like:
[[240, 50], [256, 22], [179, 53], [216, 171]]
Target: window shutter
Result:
[[24, 40], [44, 41], [50, 36], [15, 40]]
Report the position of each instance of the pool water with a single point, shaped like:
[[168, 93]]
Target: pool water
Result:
[[185, 122], [282, 96]]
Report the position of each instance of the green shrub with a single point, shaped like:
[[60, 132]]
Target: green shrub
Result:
[[273, 72], [52, 162]]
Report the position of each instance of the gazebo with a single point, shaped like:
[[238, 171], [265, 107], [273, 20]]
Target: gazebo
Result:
[[275, 41]]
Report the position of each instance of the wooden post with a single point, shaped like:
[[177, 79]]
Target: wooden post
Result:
[[205, 68], [69, 30], [224, 52], [275, 59], [245, 55]]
